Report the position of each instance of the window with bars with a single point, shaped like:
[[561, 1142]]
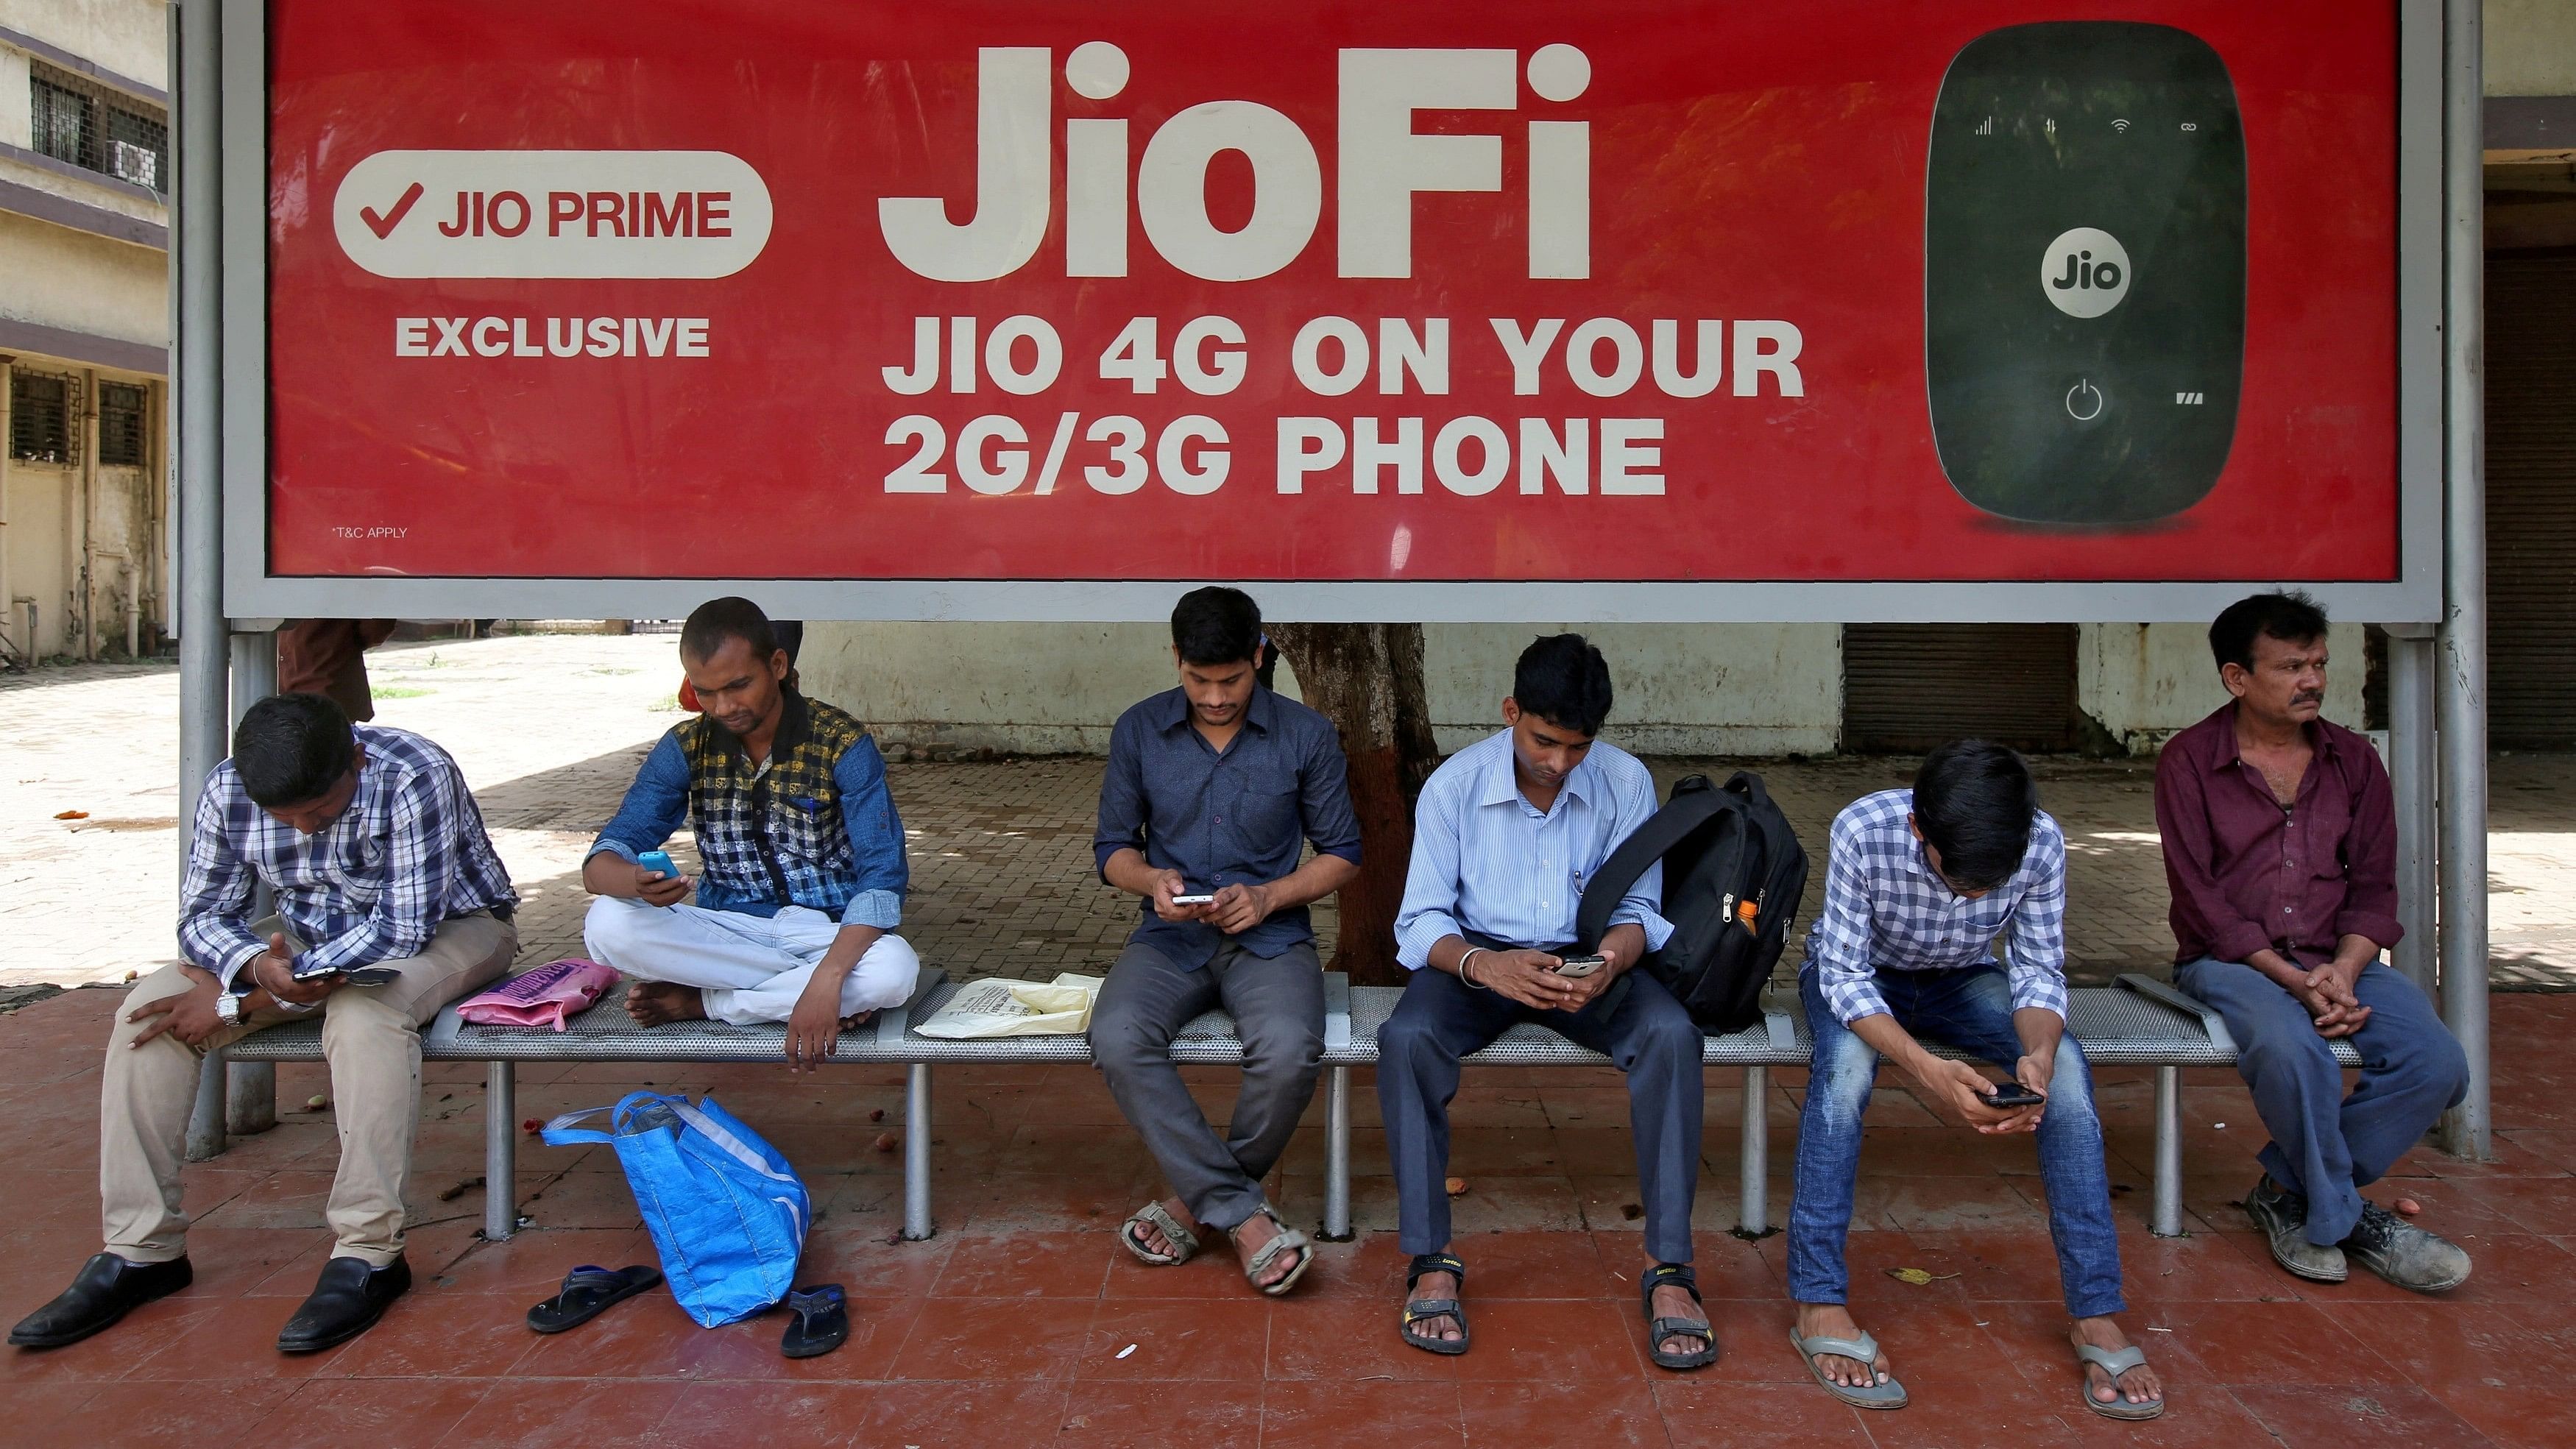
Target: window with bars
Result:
[[124, 427], [44, 416], [82, 122]]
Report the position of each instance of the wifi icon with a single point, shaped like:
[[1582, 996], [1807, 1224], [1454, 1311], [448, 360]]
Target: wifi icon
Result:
[[2122, 124]]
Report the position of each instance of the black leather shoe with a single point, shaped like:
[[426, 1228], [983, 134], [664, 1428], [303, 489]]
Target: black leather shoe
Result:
[[346, 1302], [107, 1289]]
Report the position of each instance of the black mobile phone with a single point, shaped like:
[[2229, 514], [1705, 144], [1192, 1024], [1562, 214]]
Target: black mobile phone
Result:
[[2013, 1094]]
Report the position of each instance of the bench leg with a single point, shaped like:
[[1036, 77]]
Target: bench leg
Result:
[[916, 1153], [500, 1151], [1337, 1154], [206, 1118], [250, 1098], [1753, 1157], [2168, 1214]]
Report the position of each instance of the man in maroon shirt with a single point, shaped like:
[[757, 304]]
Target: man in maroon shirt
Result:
[[2281, 849]]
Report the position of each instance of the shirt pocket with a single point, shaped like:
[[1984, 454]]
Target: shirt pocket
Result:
[[808, 826], [2319, 837], [1265, 818]]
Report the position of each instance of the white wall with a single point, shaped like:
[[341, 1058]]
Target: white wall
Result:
[[58, 277], [2530, 48], [129, 37], [2143, 682], [17, 120], [42, 501], [1683, 689]]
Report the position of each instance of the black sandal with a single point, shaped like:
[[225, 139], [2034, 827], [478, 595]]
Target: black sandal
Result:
[[1430, 1308], [1659, 1329], [822, 1321], [589, 1291]]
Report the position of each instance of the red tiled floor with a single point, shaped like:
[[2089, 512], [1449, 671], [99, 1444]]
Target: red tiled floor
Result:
[[1296, 1414], [1580, 1413], [1702, 1414], [2337, 1416], [410, 1414], [1005, 1327], [1224, 1340]]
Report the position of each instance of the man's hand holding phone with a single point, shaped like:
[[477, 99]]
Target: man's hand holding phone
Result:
[[658, 881], [1175, 901], [273, 970]]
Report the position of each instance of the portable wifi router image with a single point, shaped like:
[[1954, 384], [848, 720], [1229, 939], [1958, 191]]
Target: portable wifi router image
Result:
[[2084, 271]]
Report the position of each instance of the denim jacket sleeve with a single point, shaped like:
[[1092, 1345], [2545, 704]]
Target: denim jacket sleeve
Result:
[[654, 805], [876, 838]]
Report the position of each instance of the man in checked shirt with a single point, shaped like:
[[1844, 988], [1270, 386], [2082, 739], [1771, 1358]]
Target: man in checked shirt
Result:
[[1920, 885], [390, 904]]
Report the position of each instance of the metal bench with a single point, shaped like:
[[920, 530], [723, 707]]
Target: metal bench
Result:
[[2137, 1022]]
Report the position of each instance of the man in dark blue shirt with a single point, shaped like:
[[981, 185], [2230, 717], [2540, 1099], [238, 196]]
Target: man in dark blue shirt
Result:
[[1211, 788]]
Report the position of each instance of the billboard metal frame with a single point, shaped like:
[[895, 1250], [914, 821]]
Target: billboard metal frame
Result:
[[251, 591]]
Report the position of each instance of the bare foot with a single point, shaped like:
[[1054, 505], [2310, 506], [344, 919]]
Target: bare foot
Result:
[[1832, 1320], [659, 1003], [2139, 1385], [1256, 1230], [1435, 1284], [1674, 1301], [1152, 1238]]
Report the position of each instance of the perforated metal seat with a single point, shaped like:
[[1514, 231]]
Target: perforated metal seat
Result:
[[2139, 1021]]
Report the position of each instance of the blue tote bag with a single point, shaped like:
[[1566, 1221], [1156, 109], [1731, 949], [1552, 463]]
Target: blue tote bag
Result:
[[727, 1213]]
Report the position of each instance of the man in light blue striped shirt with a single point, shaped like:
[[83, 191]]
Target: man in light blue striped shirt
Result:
[[1506, 837], [1921, 884]]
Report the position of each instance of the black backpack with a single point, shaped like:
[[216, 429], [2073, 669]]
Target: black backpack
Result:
[[1734, 876]]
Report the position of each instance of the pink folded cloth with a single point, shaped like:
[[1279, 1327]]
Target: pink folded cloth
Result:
[[543, 996]]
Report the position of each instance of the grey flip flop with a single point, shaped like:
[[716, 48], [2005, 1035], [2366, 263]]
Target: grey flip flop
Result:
[[2115, 1362], [1179, 1237], [1864, 1349]]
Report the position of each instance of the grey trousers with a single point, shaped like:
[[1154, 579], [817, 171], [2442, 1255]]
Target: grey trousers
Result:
[[1278, 1007]]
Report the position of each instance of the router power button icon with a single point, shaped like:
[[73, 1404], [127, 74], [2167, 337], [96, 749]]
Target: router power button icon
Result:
[[2084, 401]]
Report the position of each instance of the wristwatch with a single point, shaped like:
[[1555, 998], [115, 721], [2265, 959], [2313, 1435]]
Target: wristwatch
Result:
[[227, 1007]]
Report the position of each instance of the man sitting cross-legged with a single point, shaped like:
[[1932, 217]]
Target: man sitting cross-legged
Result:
[[1920, 884], [390, 904], [1507, 832], [1210, 790], [805, 872]]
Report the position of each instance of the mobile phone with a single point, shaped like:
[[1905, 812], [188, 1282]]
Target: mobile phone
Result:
[[1580, 966], [659, 860], [2013, 1094], [1207, 900]]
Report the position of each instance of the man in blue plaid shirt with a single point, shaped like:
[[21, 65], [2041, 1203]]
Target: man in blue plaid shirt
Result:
[[1921, 884], [390, 904]]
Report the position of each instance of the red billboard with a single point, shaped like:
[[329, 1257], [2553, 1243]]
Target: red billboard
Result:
[[1850, 290]]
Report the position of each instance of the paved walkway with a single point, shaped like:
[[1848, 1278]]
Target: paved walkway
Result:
[[549, 730], [1020, 1322]]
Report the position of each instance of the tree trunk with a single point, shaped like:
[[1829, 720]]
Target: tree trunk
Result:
[[1367, 679]]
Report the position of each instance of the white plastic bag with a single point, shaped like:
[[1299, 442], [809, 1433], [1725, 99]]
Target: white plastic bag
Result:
[[995, 1007]]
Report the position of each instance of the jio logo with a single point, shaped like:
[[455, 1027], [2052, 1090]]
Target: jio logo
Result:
[[2085, 272]]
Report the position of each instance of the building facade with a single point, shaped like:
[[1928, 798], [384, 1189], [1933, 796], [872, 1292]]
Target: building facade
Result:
[[84, 326]]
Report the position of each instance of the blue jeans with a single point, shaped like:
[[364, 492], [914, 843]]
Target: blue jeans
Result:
[[2324, 1144], [1970, 1009]]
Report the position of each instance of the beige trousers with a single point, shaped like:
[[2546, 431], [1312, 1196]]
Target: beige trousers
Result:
[[371, 1042]]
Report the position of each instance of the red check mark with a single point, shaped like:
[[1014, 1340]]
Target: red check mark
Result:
[[383, 226]]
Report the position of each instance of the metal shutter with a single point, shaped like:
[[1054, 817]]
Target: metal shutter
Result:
[[2531, 499], [1910, 687]]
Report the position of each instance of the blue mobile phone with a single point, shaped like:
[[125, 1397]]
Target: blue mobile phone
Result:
[[659, 860]]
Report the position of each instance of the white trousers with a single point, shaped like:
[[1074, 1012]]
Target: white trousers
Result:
[[751, 969]]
